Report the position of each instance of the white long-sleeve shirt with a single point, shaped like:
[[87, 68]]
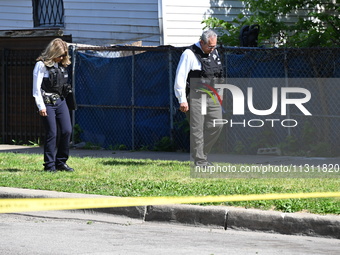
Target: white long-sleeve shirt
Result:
[[39, 72], [187, 62]]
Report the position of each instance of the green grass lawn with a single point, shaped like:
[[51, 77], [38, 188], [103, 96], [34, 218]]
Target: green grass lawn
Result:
[[141, 178]]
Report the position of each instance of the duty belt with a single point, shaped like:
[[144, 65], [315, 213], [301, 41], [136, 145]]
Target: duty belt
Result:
[[50, 98]]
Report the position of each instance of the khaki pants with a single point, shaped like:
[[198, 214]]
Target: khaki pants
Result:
[[203, 134]]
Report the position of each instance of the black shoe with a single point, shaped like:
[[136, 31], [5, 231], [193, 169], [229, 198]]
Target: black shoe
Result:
[[51, 170], [65, 167]]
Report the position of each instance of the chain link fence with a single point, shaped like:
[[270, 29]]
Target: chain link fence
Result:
[[126, 101], [316, 70], [125, 98]]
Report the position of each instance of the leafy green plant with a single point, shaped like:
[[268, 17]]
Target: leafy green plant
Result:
[[183, 125], [165, 144], [34, 143], [239, 148], [182, 137], [119, 147], [77, 133], [290, 146], [315, 24], [122, 147], [309, 133], [321, 149], [17, 142], [264, 139], [144, 148], [312, 144], [91, 146]]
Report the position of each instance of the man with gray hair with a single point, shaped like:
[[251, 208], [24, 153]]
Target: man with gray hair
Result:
[[196, 74]]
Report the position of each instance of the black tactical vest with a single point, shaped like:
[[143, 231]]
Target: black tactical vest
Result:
[[56, 81], [211, 64], [211, 69]]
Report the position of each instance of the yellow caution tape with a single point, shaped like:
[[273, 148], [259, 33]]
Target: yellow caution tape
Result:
[[46, 204]]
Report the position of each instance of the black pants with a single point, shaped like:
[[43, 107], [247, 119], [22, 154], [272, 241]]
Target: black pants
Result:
[[203, 134], [58, 117]]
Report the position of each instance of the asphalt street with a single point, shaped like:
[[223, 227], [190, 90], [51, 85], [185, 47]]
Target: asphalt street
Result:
[[59, 233]]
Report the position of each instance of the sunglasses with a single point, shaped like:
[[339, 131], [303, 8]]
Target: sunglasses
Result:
[[62, 56]]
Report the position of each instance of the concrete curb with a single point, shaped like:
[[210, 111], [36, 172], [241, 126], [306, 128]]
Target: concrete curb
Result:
[[212, 216], [285, 223], [189, 214]]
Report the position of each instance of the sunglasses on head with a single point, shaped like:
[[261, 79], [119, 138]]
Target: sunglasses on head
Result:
[[62, 56]]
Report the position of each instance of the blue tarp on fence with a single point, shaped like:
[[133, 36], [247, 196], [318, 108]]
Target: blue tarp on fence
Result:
[[123, 100]]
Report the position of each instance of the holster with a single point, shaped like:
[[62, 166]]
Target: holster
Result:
[[71, 101], [69, 96]]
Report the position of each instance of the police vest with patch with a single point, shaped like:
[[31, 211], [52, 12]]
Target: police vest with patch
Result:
[[56, 81], [211, 64]]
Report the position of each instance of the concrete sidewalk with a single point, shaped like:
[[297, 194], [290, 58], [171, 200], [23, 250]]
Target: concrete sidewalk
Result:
[[212, 216]]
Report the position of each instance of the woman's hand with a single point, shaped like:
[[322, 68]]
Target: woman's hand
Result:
[[43, 112]]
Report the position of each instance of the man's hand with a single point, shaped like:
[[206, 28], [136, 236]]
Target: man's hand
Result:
[[43, 112], [183, 107]]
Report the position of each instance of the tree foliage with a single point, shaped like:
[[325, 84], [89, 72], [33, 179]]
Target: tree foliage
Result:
[[288, 23]]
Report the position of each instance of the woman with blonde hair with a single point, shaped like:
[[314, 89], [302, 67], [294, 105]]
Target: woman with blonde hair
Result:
[[50, 88]]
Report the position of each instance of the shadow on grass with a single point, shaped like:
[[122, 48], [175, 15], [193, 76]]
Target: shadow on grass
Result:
[[137, 163], [10, 170]]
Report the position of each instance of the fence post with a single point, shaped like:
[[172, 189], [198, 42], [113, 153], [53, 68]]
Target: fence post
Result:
[[73, 47], [285, 63], [3, 105], [171, 94], [133, 100], [3, 94]]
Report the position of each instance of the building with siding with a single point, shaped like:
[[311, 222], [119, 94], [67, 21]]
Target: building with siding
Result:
[[105, 22]]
